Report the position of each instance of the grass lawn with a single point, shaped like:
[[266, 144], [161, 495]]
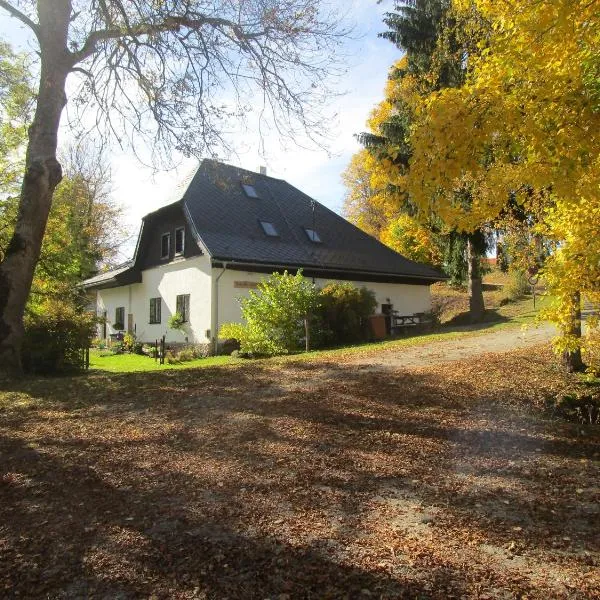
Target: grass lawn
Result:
[[454, 303], [131, 363], [511, 315], [299, 479]]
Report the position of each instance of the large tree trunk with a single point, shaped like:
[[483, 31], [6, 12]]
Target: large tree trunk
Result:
[[572, 358], [42, 175], [475, 286]]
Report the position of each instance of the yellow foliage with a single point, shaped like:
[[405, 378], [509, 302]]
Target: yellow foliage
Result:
[[528, 118], [411, 239], [364, 205]]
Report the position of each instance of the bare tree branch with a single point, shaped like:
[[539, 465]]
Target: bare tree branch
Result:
[[168, 25]]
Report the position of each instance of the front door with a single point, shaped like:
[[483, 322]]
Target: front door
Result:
[[130, 323]]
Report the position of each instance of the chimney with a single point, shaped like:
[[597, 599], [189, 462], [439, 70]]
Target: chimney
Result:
[[263, 170]]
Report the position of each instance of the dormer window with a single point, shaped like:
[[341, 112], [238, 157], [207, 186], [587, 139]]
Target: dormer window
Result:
[[165, 245], [269, 229], [179, 241], [313, 236], [250, 190]]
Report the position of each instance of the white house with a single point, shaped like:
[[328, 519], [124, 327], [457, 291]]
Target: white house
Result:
[[229, 229]]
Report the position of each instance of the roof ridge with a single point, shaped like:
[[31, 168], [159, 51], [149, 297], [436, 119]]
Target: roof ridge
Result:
[[228, 166]]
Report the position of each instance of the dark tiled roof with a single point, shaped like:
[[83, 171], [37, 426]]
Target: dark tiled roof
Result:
[[228, 222], [108, 276]]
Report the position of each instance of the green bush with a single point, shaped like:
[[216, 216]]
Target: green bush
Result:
[[171, 358], [186, 355], [128, 342], [275, 315], [55, 340], [176, 322], [343, 312], [98, 343], [518, 287]]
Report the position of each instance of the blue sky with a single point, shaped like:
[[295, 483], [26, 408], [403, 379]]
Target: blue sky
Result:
[[316, 172]]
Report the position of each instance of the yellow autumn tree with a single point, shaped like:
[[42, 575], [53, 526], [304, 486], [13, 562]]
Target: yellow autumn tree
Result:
[[364, 205], [524, 128], [406, 235]]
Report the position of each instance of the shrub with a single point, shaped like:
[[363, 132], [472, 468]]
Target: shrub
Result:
[[176, 322], [171, 358], [577, 408], [254, 339], [201, 350], [186, 355], [591, 349], [344, 312], [518, 287], [98, 343], [151, 351], [229, 345], [55, 339], [128, 342], [117, 348], [274, 315]]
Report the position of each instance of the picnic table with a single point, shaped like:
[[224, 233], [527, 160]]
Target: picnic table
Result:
[[401, 321]]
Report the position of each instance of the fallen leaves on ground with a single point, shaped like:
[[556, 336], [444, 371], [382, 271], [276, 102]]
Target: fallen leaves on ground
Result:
[[300, 480]]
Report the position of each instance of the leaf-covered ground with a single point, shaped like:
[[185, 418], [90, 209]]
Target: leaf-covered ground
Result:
[[299, 480]]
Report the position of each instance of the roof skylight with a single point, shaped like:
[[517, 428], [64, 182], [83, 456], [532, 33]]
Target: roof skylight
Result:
[[313, 236], [250, 190], [269, 229]]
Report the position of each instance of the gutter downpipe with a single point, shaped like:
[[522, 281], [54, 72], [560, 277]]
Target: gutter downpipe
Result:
[[216, 330]]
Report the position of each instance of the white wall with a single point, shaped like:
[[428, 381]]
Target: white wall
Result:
[[195, 277], [407, 299], [191, 276]]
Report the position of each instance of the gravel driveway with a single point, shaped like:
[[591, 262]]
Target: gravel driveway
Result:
[[438, 352]]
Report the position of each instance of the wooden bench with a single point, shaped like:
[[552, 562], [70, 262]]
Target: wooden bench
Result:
[[405, 320], [399, 322]]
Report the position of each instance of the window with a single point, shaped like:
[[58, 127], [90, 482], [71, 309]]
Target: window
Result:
[[165, 245], [269, 229], [119, 318], [250, 190], [183, 307], [179, 240], [155, 306], [313, 236]]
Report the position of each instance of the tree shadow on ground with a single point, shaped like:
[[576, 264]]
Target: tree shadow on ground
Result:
[[86, 538], [307, 479]]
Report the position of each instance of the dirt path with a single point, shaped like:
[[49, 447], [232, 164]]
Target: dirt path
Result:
[[438, 352]]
